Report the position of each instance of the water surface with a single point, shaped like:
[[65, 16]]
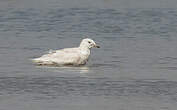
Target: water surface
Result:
[[135, 68]]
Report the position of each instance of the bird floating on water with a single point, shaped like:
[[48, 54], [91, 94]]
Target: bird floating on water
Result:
[[68, 56]]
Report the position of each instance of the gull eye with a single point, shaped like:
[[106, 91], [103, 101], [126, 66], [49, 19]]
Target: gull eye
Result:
[[89, 42]]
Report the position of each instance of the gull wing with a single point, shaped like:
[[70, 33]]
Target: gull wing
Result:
[[69, 56]]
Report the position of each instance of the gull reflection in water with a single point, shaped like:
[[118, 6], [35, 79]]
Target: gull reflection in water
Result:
[[80, 69], [70, 69]]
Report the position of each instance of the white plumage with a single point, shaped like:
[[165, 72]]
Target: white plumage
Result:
[[68, 56]]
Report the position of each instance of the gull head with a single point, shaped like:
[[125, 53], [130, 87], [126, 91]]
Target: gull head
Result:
[[88, 43]]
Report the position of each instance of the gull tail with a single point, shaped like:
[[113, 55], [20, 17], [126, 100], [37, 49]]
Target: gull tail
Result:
[[36, 60], [41, 61]]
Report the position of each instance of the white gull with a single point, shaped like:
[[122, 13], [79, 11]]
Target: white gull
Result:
[[68, 56]]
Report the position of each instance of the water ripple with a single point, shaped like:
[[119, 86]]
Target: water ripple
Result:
[[62, 86]]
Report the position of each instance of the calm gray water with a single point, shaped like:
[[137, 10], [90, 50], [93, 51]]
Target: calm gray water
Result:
[[135, 68]]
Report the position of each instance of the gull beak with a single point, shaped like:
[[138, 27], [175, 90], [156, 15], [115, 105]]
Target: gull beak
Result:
[[97, 46]]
